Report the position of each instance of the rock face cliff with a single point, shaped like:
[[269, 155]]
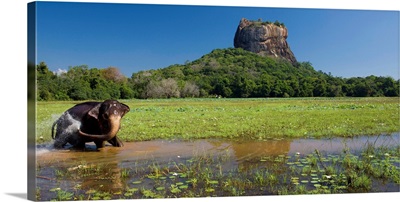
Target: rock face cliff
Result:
[[266, 39]]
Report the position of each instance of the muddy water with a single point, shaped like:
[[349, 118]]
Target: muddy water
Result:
[[240, 150], [113, 160]]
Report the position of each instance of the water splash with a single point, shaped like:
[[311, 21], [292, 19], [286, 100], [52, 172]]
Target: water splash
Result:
[[65, 121], [75, 124], [44, 148], [44, 127]]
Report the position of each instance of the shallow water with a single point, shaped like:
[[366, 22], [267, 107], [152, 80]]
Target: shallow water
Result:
[[241, 154], [240, 150]]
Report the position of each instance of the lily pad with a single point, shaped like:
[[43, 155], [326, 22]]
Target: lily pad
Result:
[[213, 182], [210, 190], [136, 182], [160, 188], [56, 189], [133, 190], [152, 177]]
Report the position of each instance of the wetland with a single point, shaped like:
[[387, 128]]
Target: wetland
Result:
[[228, 147]]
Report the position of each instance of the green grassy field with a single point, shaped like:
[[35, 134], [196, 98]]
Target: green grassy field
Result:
[[243, 118]]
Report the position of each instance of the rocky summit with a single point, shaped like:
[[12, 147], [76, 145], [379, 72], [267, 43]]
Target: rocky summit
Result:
[[264, 38]]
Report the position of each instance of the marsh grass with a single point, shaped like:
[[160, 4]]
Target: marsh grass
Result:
[[243, 118], [203, 175]]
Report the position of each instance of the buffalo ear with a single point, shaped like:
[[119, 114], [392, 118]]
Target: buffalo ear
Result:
[[94, 112]]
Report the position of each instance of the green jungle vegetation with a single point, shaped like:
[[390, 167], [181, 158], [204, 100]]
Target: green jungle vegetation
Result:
[[228, 73], [259, 22]]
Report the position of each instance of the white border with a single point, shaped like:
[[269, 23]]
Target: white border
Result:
[[330, 4], [13, 40]]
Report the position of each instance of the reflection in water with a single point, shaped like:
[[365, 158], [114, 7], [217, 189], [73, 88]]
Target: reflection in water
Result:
[[337, 145], [239, 150], [249, 150]]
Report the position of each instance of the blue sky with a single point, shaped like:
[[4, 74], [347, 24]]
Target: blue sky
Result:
[[136, 37]]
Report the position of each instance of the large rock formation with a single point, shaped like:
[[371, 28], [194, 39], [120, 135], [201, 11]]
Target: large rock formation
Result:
[[266, 39]]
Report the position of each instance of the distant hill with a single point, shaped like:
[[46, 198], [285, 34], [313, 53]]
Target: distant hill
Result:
[[237, 73], [260, 65], [232, 72]]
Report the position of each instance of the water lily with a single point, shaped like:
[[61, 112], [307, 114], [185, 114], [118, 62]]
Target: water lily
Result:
[[175, 174], [297, 153], [371, 156], [386, 154]]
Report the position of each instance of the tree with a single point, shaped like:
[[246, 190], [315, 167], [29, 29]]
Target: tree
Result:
[[277, 89], [126, 92], [320, 87], [80, 90], [390, 87], [166, 88], [112, 74], [361, 90], [140, 83], [45, 84], [263, 85], [190, 90], [170, 88]]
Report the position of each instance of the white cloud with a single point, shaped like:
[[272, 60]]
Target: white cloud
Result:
[[60, 71]]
